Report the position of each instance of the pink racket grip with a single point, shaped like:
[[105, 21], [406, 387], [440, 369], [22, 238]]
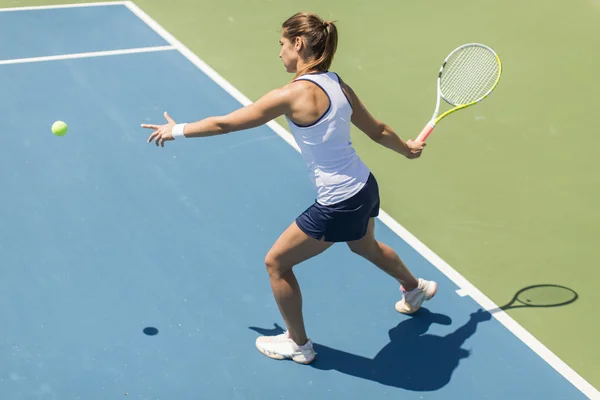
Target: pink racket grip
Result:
[[424, 133]]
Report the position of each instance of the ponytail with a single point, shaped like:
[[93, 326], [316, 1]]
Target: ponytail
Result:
[[320, 37]]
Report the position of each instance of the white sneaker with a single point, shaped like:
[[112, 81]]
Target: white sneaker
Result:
[[282, 346], [411, 301]]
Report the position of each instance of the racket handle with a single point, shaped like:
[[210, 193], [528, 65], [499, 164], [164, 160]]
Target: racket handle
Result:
[[425, 132]]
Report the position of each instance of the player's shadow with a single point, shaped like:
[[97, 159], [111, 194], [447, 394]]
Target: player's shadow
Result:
[[412, 360]]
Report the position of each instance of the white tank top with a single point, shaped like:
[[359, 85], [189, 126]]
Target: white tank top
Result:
[[335, 169]]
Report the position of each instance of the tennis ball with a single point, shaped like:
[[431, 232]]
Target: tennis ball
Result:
[[59, 128]]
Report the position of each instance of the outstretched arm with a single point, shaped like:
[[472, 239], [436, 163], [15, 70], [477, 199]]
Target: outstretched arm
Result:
[[272, 105]]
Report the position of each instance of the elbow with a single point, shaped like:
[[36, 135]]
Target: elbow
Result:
[[378, 134], [221, 127]]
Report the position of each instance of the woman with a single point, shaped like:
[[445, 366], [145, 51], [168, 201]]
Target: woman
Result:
[[319, 108]]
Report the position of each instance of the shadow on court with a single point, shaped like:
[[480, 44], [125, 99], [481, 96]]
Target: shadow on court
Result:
[[544, 295], [412, 360]]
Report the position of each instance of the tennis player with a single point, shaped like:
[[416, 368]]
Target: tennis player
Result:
[[319, 108]]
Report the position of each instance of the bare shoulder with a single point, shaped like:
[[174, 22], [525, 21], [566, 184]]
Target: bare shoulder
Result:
[[283, 95], [300, 91], [299, 87], [348, 91]]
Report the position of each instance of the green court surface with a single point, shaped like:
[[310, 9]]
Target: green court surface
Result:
[[507, 192]]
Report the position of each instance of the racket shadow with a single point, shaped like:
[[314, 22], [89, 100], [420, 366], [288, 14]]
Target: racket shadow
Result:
[[412, 360], [540, 296]]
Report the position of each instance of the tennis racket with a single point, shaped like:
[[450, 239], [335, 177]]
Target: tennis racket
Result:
[[467, 76]]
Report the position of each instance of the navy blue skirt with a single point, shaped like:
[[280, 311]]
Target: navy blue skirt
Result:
[[345, 221]]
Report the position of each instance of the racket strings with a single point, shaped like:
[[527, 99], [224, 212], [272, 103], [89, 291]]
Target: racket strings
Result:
[[469, 75], [465, 73]]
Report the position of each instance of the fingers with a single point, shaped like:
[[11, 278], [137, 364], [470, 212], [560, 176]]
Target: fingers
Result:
[[157, 135], [159, 138], [416, 145], [153, 136]]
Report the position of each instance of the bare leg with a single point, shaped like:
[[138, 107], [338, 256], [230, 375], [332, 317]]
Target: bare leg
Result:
[[383, 257], [290, 249]]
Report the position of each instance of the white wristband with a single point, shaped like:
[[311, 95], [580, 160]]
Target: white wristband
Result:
[[178, 131]]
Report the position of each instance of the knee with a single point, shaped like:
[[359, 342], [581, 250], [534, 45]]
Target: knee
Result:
[[273, 265]]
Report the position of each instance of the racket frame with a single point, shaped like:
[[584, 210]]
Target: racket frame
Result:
[[435, 119]]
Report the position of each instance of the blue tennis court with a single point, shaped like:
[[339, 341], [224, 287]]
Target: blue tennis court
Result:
[[105, 236]]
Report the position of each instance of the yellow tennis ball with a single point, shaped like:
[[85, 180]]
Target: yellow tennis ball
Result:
[[59, 128]]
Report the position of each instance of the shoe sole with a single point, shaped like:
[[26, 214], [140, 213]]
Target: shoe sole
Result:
[[275, 356]]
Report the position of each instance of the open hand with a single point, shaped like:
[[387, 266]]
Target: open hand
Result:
[[162, 133]]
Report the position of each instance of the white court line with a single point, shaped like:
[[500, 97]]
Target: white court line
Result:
[[404, 234], [33, 8], [466, 287], [87, 55]]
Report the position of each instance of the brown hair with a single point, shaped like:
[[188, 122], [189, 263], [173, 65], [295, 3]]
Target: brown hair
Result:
[[320, 38]]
